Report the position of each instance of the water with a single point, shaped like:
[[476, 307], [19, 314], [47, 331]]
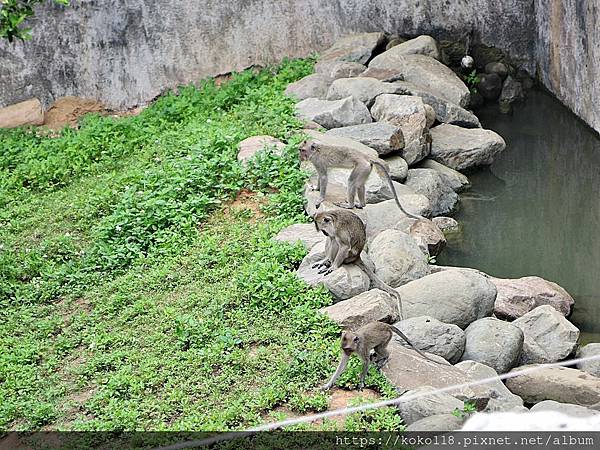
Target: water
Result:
[[536, 210]]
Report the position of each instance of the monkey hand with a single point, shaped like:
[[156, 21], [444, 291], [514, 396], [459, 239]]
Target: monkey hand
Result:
[[325, 263], [326, 271]]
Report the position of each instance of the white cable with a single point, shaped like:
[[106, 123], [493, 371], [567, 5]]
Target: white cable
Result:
[[365, 407]]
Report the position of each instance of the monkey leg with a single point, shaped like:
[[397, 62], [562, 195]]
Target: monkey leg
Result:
[[340, 368], [363, 373], [322, 187], [341, 255], [356, 184], [331, 250], [381, 355]]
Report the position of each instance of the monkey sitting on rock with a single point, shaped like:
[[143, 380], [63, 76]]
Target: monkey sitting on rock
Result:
[[372, 336], [323, 156], [346, 238]]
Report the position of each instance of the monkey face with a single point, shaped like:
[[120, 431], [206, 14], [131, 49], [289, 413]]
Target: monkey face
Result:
[[306, 150], [324, 224], [349, 342]]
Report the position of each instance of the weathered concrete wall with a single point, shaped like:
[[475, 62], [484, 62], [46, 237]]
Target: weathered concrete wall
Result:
[[126, 53], [567, 54]]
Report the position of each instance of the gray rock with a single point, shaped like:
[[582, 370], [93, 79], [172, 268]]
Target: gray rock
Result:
[[549, 337], [564, 408], [512, 91], [370, 306], [446, 224], [380, 136], [314, 85], [421, 70], [432, 185], [430, 335], [343, 283], [393, 41], [461, 148], [397, 258], [408, 113], [561, 384], [362, 88], [489, 86], [451, 296], [398, 167], [421, 45], [354, 48], [301, 232], [445, 111], [29, 112], [430, 405], [517, 297], [334, 114], [457, 181], [501, 399], [339, 69], [254, 144], [428, 236], [493, 342], [498, 68], [429, 114], [591, 367], [438, 422]]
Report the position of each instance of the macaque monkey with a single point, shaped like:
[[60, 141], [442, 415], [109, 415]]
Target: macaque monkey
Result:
[[372, 336], [346, 238], [324, 156]]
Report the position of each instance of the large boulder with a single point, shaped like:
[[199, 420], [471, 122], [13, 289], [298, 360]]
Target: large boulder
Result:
[[592, 367], [334, 69], [408, 113], [446, 224], [334, 114], [517, 297], [354, 48], [456, 180], [501, 399], [254, 144], [532, 421], [462, 148], [315, 85], [564, 408], [380, 136], [29, 112], [412, 410], [493, 342], [445, 111], [421, 70], [438, 422], [430, 335], [397, 258], [432, 185], [362, 88], [498, 68], [343, 283], [397, 166], [421, 45], [370, 306], [451, 296], [561, 384], [301, 232], [427, 235], [549, 337]]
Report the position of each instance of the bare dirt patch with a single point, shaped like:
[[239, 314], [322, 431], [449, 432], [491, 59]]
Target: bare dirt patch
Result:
[[67, 111], [248, 200]]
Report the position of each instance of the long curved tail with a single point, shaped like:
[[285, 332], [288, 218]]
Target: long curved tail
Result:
[[403, 336], [379, 284], [390, 182]]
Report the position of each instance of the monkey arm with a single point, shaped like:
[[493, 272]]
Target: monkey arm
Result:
[[342, 254], [340, 368]]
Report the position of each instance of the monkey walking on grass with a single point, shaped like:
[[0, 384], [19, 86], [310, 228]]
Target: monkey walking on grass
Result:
[[346, 238], [324, 156], [372, 336]]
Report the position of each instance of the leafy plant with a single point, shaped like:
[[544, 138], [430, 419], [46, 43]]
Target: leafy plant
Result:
[[472, 80], [468, 409], [14, 13]]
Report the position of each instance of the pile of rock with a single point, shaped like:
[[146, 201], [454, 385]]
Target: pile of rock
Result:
[[387, 105]]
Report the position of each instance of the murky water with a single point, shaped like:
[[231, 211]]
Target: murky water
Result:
[[536, 210]]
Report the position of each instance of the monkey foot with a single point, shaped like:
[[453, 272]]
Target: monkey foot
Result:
[[359, 205], [325, 272], [345, 205]]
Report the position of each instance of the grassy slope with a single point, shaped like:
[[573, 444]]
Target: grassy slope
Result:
[[131, 299]]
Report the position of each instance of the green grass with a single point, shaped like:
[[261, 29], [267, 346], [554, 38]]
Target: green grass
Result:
[[133, 298]]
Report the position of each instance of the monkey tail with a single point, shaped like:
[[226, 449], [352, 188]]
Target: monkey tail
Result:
[[384, 170], [379, 284], [403, 336]]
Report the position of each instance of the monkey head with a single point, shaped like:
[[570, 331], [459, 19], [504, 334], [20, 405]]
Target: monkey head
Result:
[[349, 342], [324, 222], [307, 148]]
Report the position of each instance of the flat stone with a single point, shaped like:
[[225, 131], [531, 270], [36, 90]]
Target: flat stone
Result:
[[421, 45], [252, 145], [564, 408], [334, 114], [339, 69], [301, 232], [462, 148], [397, 166], [456, 180], [446, 224], [417, 409], [533, 421], [380, 136], [431, 184], [354, 48], [362, 88], [29, 112], [428, 236], [314, 85]]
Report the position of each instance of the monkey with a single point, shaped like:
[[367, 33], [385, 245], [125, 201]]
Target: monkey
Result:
[[324, 156], [346, 236], [372, 336]]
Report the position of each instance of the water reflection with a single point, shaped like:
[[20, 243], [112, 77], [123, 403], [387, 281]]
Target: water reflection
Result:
[[536, 210]]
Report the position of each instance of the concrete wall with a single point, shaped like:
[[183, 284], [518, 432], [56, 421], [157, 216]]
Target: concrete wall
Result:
[[128, 52]]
